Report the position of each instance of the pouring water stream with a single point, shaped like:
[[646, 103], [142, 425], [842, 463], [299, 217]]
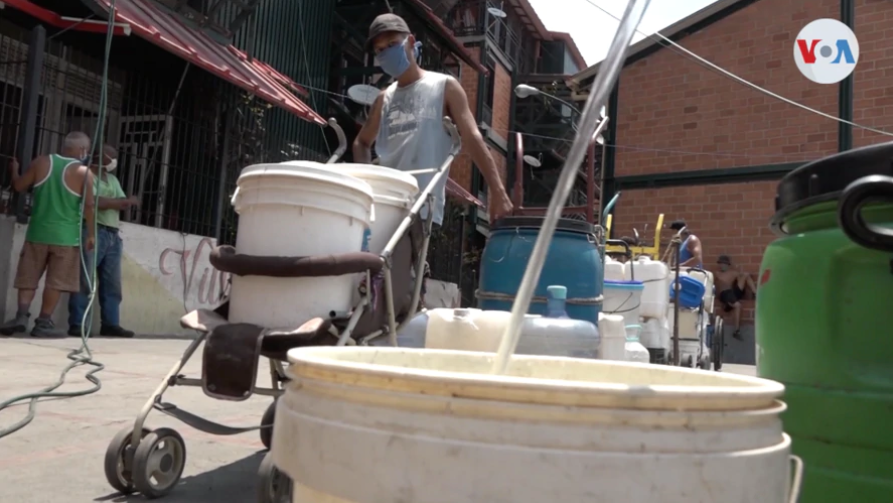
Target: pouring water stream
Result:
[[588, 128]]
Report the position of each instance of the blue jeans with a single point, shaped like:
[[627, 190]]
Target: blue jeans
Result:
[[107, 253]]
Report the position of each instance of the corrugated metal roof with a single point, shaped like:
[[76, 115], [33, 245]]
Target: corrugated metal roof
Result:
[[166, 30]]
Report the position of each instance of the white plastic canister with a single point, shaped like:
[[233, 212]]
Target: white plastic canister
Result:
[[614, 270], [381, 425], [393, 192], [612, 329], [296, 210], [655, 276]]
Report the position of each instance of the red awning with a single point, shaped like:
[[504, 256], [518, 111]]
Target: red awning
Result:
[[149, 21], [456, 191]]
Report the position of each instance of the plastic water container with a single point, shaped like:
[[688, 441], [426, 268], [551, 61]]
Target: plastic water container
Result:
[[623, 298], [436, 426], [635, 351], [612, 329], [651, 335], [393, 192], [615, 270], [556, 297], [296, 210], [691, 292], [705, 277], [558, 337], [655, 275], [465, 329], [477, 330]]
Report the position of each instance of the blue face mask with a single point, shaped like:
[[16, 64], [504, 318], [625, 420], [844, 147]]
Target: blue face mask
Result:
[[394, 61]]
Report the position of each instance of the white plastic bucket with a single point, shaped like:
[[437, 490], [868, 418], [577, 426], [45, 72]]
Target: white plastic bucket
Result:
[[393, 191], [379, 425], [296, 210], [624, 298]]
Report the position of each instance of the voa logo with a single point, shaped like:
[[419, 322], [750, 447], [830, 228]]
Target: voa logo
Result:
[[826, 51]]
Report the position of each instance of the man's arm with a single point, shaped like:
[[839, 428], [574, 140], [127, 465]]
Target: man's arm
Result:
[[89, 201], [697, 255], [21, 182], [362, 144], [499, 204]]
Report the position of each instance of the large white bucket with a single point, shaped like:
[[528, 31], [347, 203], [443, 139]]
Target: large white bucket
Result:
[[300, 209], [393, 191], [380, 425]]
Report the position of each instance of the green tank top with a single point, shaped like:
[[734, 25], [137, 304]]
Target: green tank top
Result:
[[55, 209]]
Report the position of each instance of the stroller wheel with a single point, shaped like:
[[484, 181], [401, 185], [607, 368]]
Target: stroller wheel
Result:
[[117, 468], [273, 486], [266, 425], [158, 463]]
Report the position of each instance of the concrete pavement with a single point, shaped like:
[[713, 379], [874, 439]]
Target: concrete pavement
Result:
[[59, 456]]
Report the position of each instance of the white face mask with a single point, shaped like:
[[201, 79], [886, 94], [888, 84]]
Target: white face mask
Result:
[[112, 165]]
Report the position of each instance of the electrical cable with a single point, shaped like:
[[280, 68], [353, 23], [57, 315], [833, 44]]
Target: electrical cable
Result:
[[83, 355], [662, 38]]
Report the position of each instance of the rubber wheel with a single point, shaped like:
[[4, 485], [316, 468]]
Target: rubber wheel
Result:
[[273, 486], [116, 470], [158, 463], [719, 343], [266, 425]]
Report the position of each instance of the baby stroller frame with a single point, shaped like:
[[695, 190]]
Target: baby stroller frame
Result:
[[151, 462]]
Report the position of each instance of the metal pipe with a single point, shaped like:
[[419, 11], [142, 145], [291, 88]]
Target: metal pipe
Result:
[[30, 102], [518, 189], [676, 303], [590, 125], [590, 181]]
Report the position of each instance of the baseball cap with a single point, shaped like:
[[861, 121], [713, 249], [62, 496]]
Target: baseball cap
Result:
[[385, 23], [724, 259], [678, 224]]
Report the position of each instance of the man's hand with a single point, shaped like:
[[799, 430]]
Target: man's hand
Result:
[[89, 243], [14, 168], [132, 201], [499, 205]]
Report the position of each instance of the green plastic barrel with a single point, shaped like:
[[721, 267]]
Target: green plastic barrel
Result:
[[824, 322]]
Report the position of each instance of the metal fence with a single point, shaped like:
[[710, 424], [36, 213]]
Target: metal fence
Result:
[[182, 134]]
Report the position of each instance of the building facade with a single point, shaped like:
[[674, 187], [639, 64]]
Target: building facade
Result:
[[693, 144]]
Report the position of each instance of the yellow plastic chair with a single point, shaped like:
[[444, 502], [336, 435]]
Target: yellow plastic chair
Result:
[[651, 251]]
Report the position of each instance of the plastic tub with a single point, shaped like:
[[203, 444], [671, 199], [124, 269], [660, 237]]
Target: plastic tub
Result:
[[380, 425], [296, 210]]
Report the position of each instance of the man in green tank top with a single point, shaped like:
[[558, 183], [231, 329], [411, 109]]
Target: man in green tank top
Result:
[[108, 253], [62, 183]]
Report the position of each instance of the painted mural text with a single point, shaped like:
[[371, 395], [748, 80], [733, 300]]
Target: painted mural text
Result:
[[212, 286]]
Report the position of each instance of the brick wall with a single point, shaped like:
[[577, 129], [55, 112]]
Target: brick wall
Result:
[[670, 102], [873, 78], [461, 169]]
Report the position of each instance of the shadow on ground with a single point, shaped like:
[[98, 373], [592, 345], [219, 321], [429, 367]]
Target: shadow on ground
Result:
[[232, 483]]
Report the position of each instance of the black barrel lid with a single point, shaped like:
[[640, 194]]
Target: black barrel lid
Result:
[[825, 179], [564, 224]]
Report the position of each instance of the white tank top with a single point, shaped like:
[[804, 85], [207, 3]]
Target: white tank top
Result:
[[411, 135]]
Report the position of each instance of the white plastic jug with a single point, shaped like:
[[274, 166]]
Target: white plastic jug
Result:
[[614, 270], [465, 329], [612, 329], [656, 277]]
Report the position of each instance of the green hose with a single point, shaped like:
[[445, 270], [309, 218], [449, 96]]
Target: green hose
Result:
[[82, 355]]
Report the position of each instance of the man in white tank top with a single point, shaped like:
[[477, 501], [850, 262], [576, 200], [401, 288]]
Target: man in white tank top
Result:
[[405, 123]]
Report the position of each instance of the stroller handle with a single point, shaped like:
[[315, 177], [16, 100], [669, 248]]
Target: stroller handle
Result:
[[425, 194], [342, 141]]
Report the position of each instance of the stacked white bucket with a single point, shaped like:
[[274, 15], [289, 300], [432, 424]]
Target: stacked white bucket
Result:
[[655, 276], [382, 425], [304, 208]]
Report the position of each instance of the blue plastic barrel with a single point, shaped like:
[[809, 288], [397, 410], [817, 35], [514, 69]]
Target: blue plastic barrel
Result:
[[573, 261]]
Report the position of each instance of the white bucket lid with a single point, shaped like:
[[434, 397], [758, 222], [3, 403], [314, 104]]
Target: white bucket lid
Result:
[[387, 183], [308, 170]]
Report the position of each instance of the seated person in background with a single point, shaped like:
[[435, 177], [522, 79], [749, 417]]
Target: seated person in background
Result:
[[732, 283]]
